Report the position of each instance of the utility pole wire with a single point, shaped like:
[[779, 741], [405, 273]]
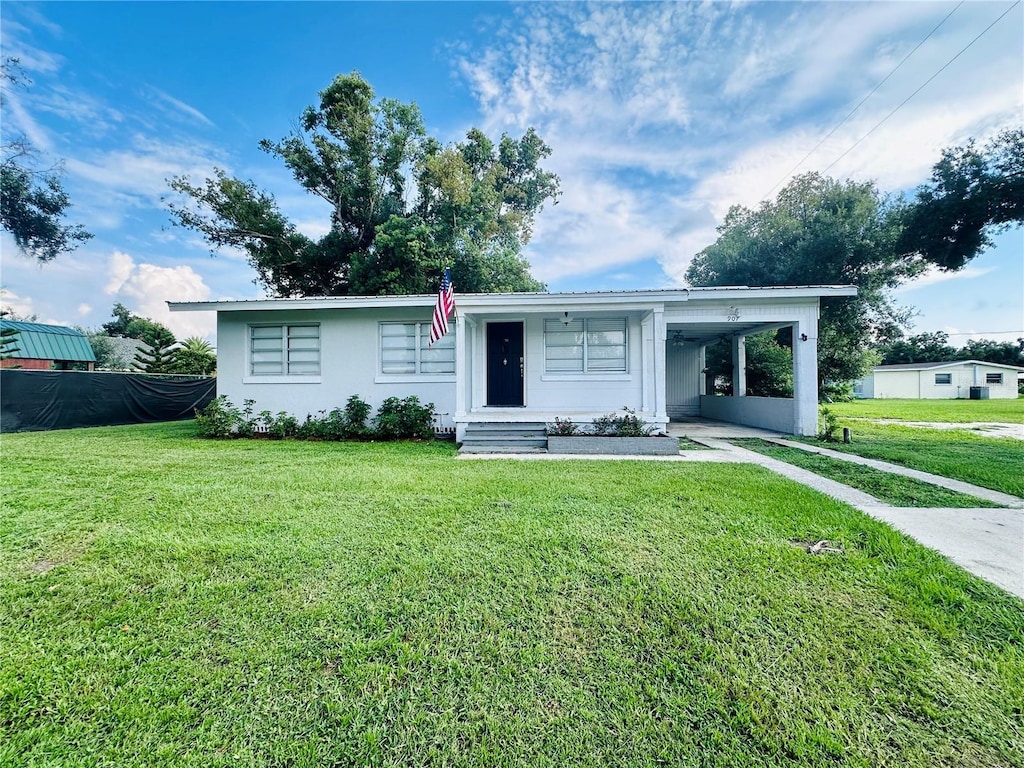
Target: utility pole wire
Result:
[[861, 103], [902, 103]]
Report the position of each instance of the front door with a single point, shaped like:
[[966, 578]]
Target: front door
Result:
[[505, 364]]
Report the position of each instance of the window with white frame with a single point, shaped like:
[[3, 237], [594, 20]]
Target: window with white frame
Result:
[[591, 345], [993, 378], [405, 348], [943, 378], [284, 350]]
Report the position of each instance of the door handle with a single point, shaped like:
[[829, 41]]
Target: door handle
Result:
[[521, 368]]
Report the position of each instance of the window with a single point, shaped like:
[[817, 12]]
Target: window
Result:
[[405, 349], [943, 378], [277, 350], [593, 346], [993, 378]]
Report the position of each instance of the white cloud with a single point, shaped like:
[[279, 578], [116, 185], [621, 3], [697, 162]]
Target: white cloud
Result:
[[19, 306], [934, 276], [146, 289], [84, 309], [662, 116], [180, 106]]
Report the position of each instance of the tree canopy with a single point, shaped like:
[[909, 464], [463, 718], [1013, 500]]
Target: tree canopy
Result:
[[935, 348], [33, 201], [821, 231], [403, 205], [972, 194], [131, 326]]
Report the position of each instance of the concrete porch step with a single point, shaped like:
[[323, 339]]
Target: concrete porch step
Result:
[[505, 437]]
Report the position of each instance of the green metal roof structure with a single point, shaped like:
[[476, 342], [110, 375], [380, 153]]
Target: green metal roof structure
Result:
[[37, 341]]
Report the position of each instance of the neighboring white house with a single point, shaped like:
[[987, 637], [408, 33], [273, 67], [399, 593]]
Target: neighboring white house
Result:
[[939, 381], [522, 357]]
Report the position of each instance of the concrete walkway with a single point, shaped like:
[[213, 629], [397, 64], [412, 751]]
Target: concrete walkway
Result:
[[986, 542]]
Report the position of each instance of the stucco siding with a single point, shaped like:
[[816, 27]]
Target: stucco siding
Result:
[[921, 384], [349, 364]]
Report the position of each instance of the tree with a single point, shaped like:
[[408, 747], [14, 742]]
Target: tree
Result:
[[972, 194], [195, 356], [8, 339], [33, 201], [403, 206], [820, 231], [922, 348], [1001, 352], [131, 326], [157, 354]]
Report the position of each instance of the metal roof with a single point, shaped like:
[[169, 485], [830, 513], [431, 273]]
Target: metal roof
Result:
[[946, 364], [37, 341], [535, 299]]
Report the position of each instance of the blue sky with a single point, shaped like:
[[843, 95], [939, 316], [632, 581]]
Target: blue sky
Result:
[[660, 116]]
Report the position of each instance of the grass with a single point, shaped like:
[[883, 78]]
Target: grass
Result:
[[955, 411], [892, 489], [991, 462], [175, 602]]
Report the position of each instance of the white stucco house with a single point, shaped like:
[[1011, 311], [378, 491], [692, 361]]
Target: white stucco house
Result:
[[940, 381], [519, 358]]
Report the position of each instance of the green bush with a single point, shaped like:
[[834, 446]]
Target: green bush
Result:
[[221, 419], [357, 411], [404, 419], [627, 425], [280, 426], [828, 424], [563, 428]]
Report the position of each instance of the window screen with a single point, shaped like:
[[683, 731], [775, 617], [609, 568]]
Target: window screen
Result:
[[593, 345], [275, 350], [993, 378], [943, 378]]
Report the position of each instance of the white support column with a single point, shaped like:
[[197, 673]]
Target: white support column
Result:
[[702, 363], [461, 345], [647, 363], [805, 375], [660, 337], [739, 366]]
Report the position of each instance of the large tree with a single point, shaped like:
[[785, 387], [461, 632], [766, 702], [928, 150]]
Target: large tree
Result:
[[128, 325], [33, 202], [403, 206], [821, 231], [972, 194]]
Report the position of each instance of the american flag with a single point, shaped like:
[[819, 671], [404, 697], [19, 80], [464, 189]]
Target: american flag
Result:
[[444, 307]]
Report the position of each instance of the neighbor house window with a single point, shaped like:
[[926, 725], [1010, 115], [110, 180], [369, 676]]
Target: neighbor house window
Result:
[[591, 345], [993, 378], [943, 378], [278, 350], [405, 348]]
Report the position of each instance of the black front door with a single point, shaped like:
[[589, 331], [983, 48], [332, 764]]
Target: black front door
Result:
[[505, 364]]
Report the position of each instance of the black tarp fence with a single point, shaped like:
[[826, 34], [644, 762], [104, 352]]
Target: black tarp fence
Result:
[[32, 401]]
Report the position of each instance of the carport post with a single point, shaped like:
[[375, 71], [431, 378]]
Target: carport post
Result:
[[702, 364], [805, 376], [739, 366]]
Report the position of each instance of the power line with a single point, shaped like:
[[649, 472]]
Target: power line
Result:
[[902, 103], [861, 102]]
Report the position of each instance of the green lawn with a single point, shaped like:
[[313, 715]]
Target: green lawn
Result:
[[991, 462], [893, 489], [175, 602], [958, 411]]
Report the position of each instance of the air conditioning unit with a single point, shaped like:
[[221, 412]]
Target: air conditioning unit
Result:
[[979, 393]]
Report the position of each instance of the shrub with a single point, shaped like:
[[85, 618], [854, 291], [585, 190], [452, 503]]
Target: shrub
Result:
[[402, 419], [221, 419], [357, 411], [828, 423], [280, 426], [563, 428], [218, 419], [627, 425]]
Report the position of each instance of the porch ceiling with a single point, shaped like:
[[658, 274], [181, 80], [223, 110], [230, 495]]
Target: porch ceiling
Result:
[[702, 333]]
